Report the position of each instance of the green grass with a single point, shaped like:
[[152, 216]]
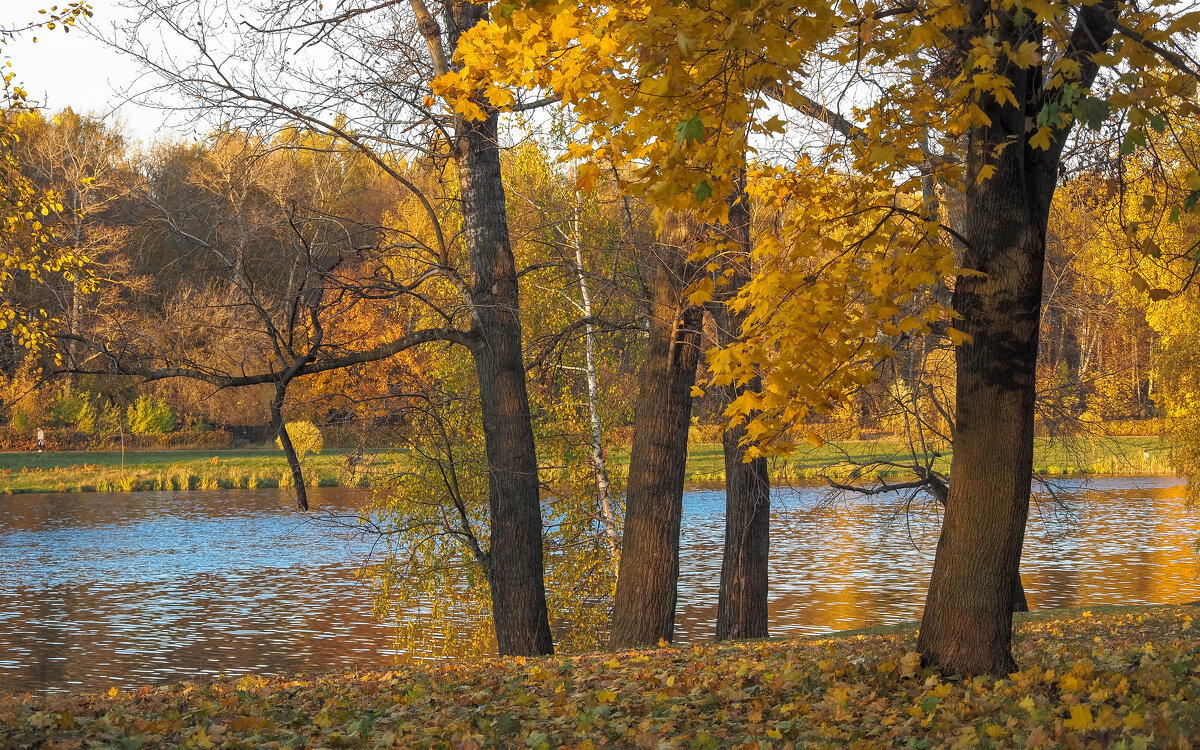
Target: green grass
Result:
[[263, 467], [163, 470], [1074, 456]]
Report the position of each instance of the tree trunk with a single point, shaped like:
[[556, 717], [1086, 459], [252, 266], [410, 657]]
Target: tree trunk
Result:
[[742, 596], [644, 607], [599, 458], [1019, 602], [967, 624], [514, 569], [285, 440]]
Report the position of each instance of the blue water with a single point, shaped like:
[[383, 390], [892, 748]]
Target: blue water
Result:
[[102, 590]]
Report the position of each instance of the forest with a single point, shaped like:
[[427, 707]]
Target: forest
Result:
[[510, 262]]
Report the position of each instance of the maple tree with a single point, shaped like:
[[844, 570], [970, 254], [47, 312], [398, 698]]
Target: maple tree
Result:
[[647, 582], [980, 96]]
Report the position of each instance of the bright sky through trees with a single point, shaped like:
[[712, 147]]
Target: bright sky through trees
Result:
[[79, 70]]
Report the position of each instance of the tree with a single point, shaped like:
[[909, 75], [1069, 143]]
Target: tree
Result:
[[266, 270], [647, 581], [982, 95], [389, 117], [743, 588], [87, 163]]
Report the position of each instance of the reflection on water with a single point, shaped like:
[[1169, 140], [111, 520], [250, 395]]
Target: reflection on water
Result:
[[1116, 540], [98, 590]]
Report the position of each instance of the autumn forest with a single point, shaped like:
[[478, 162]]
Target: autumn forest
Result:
[[520, 276]]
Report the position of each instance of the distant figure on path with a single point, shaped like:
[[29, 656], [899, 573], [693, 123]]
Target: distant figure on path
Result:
[[41, 440]]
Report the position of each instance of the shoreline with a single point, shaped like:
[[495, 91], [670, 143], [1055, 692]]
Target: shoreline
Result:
[[262, 468]]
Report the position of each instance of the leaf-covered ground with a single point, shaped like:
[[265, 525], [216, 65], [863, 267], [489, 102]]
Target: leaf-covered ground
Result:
[[1111, 677]]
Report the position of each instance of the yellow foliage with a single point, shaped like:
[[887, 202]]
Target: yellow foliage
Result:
[[824, 692], [27, 254], [676, 97]]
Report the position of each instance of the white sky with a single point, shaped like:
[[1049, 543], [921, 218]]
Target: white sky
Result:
[[75, 69]]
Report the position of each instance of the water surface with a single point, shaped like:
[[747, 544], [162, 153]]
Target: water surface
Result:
[[102, 590]]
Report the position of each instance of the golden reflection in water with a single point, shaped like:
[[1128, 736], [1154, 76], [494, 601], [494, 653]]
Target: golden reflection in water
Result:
[[865, 563], [128, 589]]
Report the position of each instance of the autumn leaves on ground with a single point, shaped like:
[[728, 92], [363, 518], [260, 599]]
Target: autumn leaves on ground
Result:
[[1111, 677]]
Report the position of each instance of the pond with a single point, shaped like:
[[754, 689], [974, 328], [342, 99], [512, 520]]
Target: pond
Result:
[[104, 590]]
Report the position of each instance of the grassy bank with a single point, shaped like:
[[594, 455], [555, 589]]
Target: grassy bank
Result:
[[1075, 456], [1107, 677], [176, 470], [168, 470]]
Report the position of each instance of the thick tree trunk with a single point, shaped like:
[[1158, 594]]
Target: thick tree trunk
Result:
[[515, 568], [742, 596], [644, 607], [967, 624]]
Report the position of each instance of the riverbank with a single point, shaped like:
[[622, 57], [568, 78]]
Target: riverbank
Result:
[[1104, 677], [264, 468]]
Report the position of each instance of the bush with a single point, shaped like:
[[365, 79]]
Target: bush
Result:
[[88, 417], [305, 436], [706, 433], [150, 416], [67, 406]]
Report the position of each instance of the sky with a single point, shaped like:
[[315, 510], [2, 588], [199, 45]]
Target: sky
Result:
[[76, 69]]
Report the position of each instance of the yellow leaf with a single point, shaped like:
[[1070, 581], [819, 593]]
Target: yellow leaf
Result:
[[1081, 718], [323, 720], [1041, 139], [606, 696], [702, 293], [957, 337], [586, 176]]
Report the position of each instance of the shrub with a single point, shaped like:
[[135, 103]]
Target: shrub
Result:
[[150, 416], [88, 417], [67, 407], [305, 436]]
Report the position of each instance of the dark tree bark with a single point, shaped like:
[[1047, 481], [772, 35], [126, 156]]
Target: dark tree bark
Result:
[[514, 564], [285, 440], [515, 568], [1019, 602], [967, 624], [644, 607], [742, 596]]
